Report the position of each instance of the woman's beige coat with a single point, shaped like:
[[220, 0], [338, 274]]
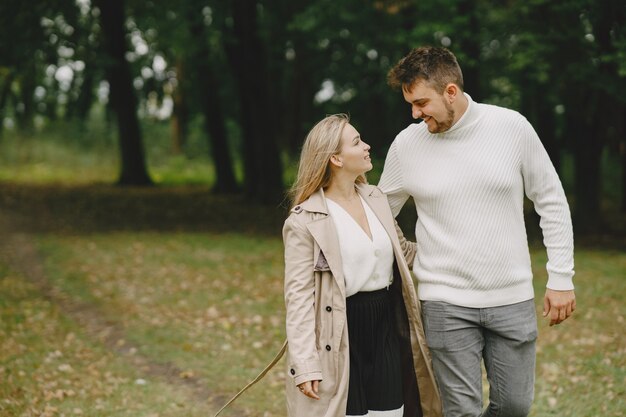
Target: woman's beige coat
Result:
[[315, 298]]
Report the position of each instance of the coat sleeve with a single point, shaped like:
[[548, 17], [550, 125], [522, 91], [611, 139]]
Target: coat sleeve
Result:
[[408, 248], [304, 361]]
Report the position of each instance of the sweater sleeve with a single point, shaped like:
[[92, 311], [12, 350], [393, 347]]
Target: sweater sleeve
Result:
[[391, 181], [544, 189]]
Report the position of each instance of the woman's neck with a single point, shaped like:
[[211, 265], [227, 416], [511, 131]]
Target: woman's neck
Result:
[[341, 189]]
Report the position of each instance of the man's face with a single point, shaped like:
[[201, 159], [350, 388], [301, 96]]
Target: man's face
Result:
[[429, 105]]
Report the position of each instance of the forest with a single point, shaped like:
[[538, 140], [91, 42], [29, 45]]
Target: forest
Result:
[[250, 77]]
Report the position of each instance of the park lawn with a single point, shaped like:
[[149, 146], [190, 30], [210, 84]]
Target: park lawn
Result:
[[212, 305], [48, 367]]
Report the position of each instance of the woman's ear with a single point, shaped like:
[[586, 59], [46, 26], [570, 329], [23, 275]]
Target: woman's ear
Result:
[[336, 161]]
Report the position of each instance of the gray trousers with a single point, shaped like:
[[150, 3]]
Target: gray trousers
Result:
[[504, 337]]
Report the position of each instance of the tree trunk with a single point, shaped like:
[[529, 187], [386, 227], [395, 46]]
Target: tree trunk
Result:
[[263, 170], [180, 114], [122, 95], [214, 119], [622, 149], [541, 115], [300, 101], [588, 145], [608, 20], [470, 45], [4, 96], [205, 81], [25, 112], [82, 105]]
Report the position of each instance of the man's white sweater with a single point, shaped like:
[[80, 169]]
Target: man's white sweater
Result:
[[468, 184]]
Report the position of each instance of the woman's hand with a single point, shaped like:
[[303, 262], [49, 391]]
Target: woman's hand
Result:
[[310, 389]]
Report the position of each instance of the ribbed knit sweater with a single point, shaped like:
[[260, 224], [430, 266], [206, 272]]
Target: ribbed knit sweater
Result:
[[468, 184]]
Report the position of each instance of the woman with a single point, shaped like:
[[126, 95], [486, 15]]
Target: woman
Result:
[[355, 339]]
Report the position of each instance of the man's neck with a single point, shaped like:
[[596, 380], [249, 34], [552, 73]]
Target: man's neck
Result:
[[460, 106]]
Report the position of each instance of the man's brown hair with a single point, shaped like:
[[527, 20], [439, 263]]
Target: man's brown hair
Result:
[[436, 66]]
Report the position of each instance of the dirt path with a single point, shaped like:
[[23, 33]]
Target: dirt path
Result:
[[19, 252]]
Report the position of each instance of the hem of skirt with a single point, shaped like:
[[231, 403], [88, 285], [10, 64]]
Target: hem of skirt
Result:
[[398, 412]]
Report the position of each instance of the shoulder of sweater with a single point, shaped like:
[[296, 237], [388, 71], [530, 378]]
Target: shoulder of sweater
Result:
[[499, 113], [410, 132]]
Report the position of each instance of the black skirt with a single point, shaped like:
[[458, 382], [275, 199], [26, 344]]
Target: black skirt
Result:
[[375, 370]]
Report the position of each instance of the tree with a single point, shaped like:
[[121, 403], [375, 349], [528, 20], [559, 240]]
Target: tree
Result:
[[122, 96], [247, 55], [205, 82]]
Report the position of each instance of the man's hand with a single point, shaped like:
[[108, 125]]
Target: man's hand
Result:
[[310, 389], [559, 305]]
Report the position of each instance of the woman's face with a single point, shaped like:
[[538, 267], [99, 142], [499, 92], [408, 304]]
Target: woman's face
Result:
[[354, 153]]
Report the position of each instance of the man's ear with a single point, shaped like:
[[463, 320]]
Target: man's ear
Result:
[[451, 92]]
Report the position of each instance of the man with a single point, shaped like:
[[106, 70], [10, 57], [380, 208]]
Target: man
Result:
[[467, 166]]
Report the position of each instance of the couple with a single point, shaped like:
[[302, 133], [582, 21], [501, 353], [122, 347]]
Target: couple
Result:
[[361, 340]]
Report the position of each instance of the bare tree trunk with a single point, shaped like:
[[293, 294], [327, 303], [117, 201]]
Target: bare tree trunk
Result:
[[122, 95], [471, 47], [622, 149], [180, 114], [25, 112], [263, 168], [300, 100], [588, 145], [81, 107], [4, 96], [541, 115], [207, 85], [214, 119]]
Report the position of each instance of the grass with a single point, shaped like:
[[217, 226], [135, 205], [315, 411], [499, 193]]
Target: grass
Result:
[[178, 273], [49, 367], [212, 305], [66, 153]]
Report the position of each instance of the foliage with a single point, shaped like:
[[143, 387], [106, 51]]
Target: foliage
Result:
[[562, 64]]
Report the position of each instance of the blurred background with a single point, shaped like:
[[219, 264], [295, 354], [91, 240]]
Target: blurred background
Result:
[[222, 93], [145, 150]]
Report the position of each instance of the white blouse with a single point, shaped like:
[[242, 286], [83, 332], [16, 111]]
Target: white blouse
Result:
[[367, 264]]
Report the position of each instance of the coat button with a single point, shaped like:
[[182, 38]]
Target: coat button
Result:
[[293, 372], [328, 347], [329, 308]]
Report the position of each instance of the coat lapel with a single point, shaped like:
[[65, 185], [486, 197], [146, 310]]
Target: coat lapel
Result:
[[325, 234], [376, 200]]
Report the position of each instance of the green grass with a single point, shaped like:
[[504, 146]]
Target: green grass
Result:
[[65, 153], [212, 305], [49, 367]]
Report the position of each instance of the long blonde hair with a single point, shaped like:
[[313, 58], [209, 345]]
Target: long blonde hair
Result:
[[314, 172]]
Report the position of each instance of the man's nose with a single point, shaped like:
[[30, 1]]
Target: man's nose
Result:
[[416, 112]]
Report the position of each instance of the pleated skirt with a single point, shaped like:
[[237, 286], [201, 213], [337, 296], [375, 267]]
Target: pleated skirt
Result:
[[375, 386]]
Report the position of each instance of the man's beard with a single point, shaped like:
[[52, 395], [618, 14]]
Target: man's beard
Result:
[[444, 125]]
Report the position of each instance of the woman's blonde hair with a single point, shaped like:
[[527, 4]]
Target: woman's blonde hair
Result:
[[314, 172]]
